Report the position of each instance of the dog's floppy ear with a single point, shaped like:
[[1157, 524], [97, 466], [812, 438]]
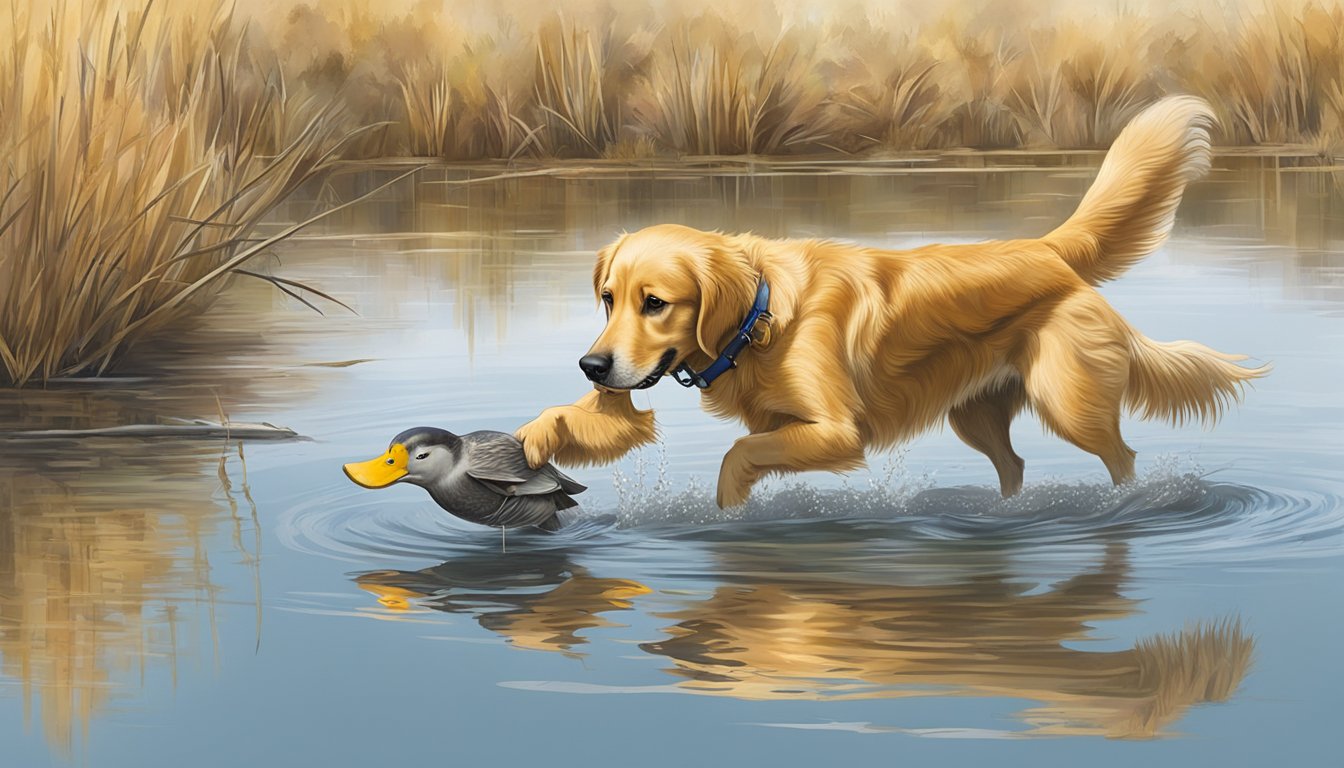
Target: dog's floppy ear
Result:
[[727, 289], [603, 265]]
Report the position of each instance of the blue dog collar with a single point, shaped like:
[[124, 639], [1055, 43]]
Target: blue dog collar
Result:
[[748, 333]]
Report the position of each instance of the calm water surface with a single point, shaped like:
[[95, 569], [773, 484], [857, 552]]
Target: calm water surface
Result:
[[207, 604]]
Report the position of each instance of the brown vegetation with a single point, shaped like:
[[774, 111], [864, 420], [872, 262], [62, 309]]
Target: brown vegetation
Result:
[[141, 150], [608, 79]]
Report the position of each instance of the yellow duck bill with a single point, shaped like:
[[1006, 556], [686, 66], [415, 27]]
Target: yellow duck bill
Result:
[[380, 472]]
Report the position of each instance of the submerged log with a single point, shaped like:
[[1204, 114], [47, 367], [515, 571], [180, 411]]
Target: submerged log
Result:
[[194, 428]]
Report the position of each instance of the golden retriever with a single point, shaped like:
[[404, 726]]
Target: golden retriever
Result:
[[870, 347]]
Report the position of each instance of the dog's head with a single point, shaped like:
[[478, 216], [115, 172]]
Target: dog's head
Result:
[[671, 293]]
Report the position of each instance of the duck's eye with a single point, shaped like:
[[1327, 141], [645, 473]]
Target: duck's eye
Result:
[[391, 461], [653, 304], [424, 455]]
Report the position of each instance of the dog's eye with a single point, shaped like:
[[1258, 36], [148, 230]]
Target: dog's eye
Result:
[[606, 298], [424, 455], [653, 304]]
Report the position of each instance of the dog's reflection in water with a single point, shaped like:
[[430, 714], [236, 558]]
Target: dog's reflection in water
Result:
[[811, 636], [539, 600], [788, 626]]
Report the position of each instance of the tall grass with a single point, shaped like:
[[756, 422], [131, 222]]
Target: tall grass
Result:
[[576, 90], [694, 77], [891, 93], [719, 92], [141, 149], [1281, 76]]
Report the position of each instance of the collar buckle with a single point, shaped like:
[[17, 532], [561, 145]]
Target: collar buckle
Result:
[[686, 377], [762, 330], [756, 330]]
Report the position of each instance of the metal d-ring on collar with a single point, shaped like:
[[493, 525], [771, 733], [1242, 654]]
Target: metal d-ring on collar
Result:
[[755, 329]]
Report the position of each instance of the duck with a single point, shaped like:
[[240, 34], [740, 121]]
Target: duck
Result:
[[482, 477]]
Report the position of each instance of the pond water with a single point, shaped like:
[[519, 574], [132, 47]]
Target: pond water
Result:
[[210, 604]]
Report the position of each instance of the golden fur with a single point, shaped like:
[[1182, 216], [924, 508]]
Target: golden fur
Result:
[[873, 347]]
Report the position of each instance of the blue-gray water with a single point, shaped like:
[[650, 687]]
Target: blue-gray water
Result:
[[180, 603]]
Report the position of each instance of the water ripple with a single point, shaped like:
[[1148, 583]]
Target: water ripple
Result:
[[1177, 515]]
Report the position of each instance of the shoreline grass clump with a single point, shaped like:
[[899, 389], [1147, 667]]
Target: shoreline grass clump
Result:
[[712, 89], [1281, 79], [579, 73], [141, 149]]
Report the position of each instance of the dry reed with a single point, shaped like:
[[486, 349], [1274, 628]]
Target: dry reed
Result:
[[140, 153], [693, 78]]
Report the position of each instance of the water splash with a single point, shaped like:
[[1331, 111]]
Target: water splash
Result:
[[646, 497], [1174, 508]]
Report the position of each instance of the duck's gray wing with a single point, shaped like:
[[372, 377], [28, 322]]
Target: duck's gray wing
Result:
[[519, 511], [497, 459]]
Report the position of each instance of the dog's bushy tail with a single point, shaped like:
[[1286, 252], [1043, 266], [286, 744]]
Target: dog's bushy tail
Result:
[[1180, 381], [1129, 209]]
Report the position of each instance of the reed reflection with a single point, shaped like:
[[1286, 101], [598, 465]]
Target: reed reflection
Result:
[[478, 231], [537, 600], [783, 633], [105, 570]]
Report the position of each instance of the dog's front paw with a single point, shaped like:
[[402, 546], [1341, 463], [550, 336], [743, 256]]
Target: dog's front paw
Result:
[[736, 478], [542, 437]]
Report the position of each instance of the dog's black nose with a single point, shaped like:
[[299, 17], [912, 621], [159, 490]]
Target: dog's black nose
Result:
[[595, 367]]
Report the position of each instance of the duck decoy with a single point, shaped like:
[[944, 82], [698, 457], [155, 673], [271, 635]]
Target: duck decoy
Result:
[[481, 477]]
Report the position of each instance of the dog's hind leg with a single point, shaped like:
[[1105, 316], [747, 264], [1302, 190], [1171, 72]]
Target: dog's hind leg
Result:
[[1076, 382], [1100, 437], [982, 423]]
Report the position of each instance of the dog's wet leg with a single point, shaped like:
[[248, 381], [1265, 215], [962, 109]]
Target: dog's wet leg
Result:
[[983, 423], [796, 447], [1076, 385], [1100, 438]]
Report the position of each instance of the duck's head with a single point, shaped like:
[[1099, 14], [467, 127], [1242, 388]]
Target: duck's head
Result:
[[419, 456]]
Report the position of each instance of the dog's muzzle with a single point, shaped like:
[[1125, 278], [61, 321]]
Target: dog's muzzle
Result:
[[665, 362]]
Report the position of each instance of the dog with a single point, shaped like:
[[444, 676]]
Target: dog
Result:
[[857, 348]]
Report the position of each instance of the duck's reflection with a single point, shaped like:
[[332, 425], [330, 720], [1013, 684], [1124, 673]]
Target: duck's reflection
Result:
[[538, 600], [802, 635]]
